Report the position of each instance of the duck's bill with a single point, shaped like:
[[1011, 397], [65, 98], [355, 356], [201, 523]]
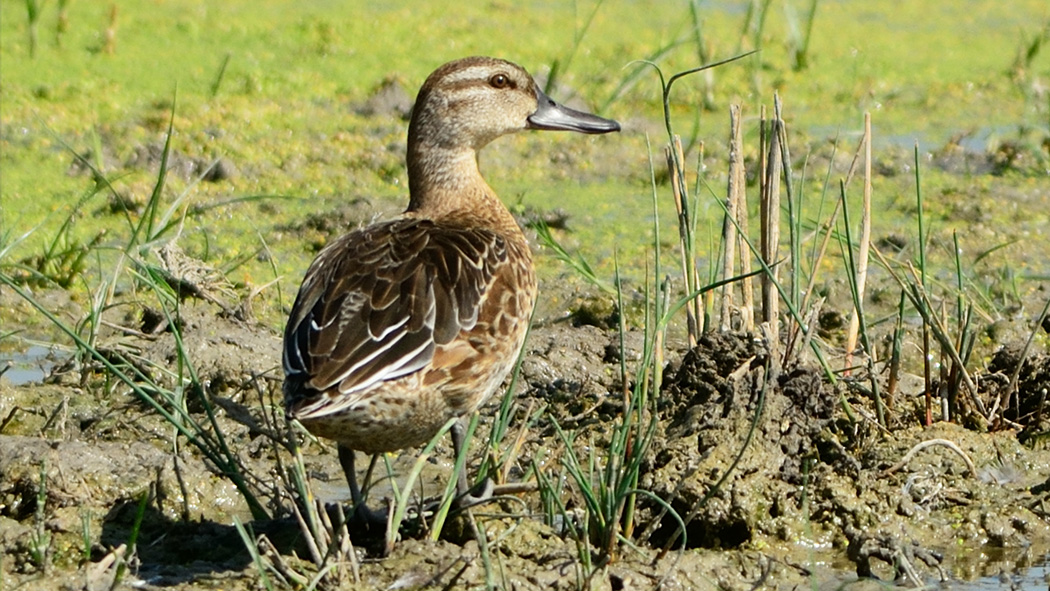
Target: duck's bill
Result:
[[550, 115]]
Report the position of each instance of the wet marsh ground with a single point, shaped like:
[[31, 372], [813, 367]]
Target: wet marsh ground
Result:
[[288, 127]]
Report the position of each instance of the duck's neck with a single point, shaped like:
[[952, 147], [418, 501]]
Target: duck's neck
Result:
[[445, 183]]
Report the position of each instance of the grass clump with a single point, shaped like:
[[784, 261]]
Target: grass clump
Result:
[[167, 392]]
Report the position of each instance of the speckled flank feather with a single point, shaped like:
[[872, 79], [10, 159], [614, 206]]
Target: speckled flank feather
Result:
[[404, 324]]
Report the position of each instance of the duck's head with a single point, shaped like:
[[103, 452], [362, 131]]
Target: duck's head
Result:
[[469, 102]]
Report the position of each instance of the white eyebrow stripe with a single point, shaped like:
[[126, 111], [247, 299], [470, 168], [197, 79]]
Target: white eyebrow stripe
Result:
[[474, 73]]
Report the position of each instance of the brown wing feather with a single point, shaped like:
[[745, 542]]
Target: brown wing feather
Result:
[[375, 303]]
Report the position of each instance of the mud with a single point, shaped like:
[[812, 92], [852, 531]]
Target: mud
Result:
[[776, 484]]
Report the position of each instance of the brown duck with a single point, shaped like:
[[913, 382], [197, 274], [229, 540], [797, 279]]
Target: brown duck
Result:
[[402, 325]]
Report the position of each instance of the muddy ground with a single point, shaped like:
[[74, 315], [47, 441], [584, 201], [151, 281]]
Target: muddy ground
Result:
[[811, 496]]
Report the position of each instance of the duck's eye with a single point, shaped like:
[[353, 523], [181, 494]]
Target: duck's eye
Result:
[[499, 81]]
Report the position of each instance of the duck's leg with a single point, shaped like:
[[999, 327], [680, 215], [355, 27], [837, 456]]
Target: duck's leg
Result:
[[466, 496], [484, 490], [371, 468], [361, 511]]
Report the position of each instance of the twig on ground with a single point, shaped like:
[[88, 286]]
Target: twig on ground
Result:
[[929, 443]]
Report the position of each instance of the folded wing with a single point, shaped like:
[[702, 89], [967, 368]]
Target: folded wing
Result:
[[376, 303]]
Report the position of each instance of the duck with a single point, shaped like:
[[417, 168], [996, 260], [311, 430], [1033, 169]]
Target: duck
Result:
[[405, 324]]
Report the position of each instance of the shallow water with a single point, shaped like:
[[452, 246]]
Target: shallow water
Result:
[[1035, 578], [28, 367]]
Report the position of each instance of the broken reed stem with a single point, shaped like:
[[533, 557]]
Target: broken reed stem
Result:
[[789, 193], [870, 359], [864, 248], [699, 302], [729, 227], [770, 220], [895, 354], [747, 304], [675, 158], [763, 149], [793, 226], [948, 372]]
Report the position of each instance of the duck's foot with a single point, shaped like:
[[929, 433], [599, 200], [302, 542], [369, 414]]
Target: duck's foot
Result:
[[480, 494], [486, 491], [363, 519], [371, 520], [367, 527]]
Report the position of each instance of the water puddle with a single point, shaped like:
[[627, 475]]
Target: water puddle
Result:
[[1013, 575], [30, 366]]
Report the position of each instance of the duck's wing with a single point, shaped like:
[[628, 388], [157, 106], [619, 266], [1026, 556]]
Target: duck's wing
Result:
[[376, 303]]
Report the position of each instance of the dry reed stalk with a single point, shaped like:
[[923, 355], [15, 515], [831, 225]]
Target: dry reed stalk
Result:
[[729, 227], [770, 220], [927, 374], [864, 248], [786, 176], [675, 158], [701, 306], [747, 304], [949, 389], [893, 377], [763, 149]]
